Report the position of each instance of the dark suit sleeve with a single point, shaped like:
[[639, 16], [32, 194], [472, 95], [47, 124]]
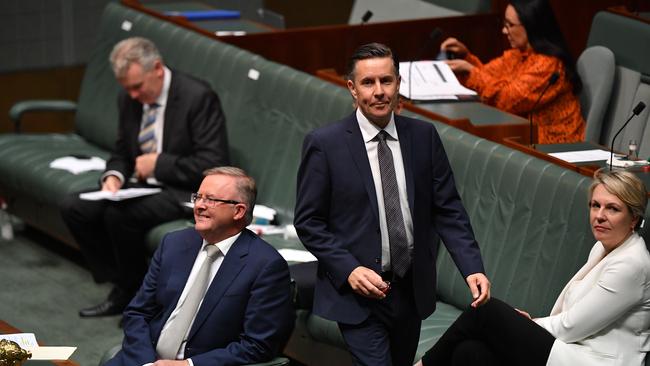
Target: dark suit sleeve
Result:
[[449, 216], [122, 158], [312, 214], [209, 142], [268, 321], [138, 347]]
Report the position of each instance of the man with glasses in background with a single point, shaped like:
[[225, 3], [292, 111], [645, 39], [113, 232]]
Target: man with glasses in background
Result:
[[171, 128], [215, 294]]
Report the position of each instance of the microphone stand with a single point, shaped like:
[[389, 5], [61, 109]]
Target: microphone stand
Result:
[[635, 112], [552, 80]]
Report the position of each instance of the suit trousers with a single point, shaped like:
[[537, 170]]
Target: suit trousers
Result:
[[111, 235], [390, 335], [493, 334]]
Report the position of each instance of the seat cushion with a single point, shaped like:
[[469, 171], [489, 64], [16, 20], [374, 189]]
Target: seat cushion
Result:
[[25, 160]]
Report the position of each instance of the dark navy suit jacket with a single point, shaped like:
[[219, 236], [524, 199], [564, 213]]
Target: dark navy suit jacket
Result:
[[336, 214], [246, 315]]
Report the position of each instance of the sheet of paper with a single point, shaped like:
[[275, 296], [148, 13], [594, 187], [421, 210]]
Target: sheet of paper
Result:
[[122, 194], [77, 166], [431, 80], [52, 353], [266, 229], [295, 255], [24, 340], [582, 155]]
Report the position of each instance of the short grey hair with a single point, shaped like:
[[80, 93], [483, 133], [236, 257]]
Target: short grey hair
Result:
[[133, 50], [246, 187]]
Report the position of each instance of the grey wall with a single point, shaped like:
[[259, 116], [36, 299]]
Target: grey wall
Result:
[[37, 34]]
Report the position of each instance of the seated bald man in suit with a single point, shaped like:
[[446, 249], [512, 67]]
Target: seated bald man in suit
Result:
[[171, 129], [215, 294]]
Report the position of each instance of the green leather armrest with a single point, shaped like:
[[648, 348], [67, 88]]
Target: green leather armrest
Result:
[[18, 109]]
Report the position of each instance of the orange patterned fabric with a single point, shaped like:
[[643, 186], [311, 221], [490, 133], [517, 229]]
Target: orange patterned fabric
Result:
[[514, 82]]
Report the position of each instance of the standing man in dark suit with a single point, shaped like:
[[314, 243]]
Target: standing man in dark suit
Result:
[[171, 129], [375, 190], [214, 295]]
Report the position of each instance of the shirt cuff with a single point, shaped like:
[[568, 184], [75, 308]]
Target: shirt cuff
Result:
[[189, 360], [114, 173]]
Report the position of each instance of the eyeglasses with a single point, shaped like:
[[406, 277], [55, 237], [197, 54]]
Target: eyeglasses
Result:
[[210, 202], [508, 25]]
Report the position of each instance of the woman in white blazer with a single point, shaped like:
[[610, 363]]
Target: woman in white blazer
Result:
[[601, 318]]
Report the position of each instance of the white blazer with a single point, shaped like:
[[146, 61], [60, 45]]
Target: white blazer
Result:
[[602, 316]]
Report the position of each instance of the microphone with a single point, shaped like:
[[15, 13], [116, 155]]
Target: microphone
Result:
[[366, 17], [635, 112], [433, 36], [551, 80]]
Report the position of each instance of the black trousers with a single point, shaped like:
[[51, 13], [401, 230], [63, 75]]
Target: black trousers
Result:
[[493, 334], [390, 335], [112, 234]]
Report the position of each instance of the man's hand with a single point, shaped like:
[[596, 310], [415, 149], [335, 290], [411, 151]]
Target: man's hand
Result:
[[453, 45], [479, 285], [367, 283], [524, 314], [111, 184], [171, 363], [460, 66], [144, 165]]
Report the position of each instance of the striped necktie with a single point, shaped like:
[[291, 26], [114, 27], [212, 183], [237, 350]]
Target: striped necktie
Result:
[[147, 135]]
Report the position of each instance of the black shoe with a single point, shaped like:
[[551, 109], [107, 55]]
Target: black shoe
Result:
[[113, 305]]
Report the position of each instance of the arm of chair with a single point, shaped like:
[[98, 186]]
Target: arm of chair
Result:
[[17, 110]]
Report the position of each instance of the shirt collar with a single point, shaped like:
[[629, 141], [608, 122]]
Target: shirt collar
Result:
[[369, 131], [164, 93], [224, 245]]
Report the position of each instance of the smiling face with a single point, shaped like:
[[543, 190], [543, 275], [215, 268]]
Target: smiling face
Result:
[[375, 89], [223, 219], [514, 30], [611, 220]]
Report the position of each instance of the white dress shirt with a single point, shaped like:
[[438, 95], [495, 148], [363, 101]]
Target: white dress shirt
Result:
[[369, 133]]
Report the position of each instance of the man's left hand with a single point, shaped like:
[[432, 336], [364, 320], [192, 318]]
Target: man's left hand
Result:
[[144, 165], [479, 285], [171, 363]]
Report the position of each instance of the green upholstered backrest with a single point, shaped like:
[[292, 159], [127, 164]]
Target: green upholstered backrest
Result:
[[269, 107], [530, 218], [629, 40]]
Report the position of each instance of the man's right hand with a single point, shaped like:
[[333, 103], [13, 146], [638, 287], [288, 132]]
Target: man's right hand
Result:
[[367, 283], [111, 184], [453, 45]]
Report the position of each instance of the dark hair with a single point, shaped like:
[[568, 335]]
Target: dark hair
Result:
[[370, 50], [544, 35]]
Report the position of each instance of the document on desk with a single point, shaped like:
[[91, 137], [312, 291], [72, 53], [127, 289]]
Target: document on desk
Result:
[[431, 80], [28, 341], [582, 155], [78, 165], [122, 194]]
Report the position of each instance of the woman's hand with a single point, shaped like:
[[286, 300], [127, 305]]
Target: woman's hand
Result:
[[453, 45], [460, 66], [524, 314]]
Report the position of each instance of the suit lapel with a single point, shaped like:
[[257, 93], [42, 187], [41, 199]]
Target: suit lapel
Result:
[[171, 111], [406, 146], [231, 266], [357, 147]]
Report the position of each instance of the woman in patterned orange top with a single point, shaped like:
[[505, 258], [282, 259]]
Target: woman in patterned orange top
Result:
[[515, 81]]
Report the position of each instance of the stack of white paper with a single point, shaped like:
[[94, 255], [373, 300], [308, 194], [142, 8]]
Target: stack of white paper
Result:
[[77, 166], [120, 195], [431, 80]]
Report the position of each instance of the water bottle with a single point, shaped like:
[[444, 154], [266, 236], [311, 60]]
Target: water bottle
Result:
[[633, 150], [6, 229]]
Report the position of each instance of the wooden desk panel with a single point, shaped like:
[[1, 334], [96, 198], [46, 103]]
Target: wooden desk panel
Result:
[[474, 117], [6, 328]]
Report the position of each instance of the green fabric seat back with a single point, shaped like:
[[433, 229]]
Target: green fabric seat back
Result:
[[530, 218]]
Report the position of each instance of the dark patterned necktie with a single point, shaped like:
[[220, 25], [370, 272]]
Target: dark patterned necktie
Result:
[[400, 257]]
